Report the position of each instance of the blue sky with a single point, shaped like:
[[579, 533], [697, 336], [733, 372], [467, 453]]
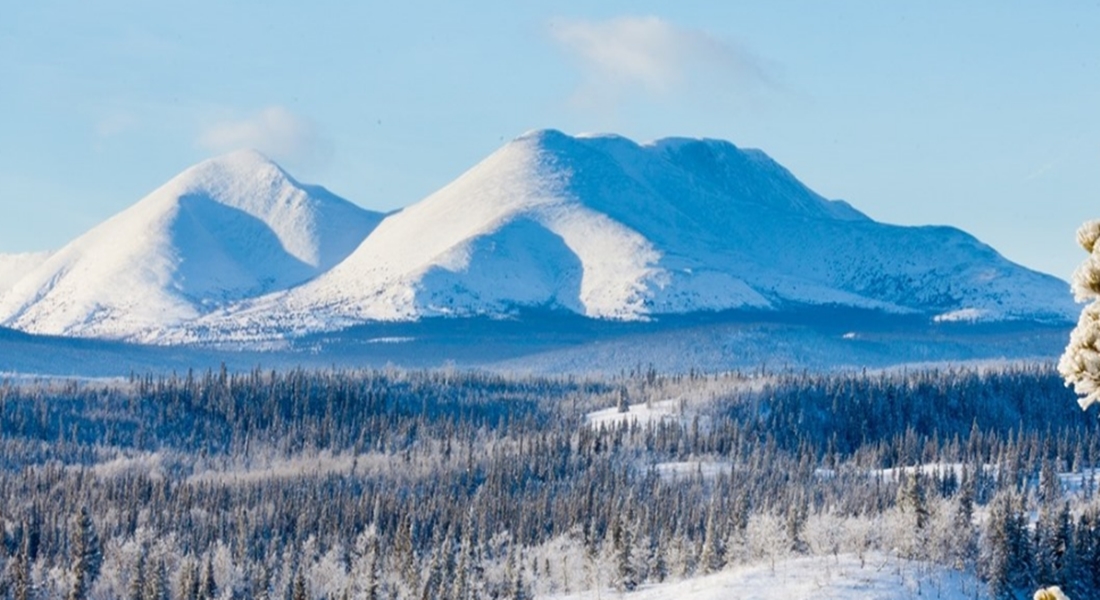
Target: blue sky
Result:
[[982, 115]]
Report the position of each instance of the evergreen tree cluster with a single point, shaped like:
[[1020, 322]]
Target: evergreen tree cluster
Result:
[[440, 484]]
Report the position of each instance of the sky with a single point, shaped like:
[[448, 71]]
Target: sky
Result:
[[980, 115]]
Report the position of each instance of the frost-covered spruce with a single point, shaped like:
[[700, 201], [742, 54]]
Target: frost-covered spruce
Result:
[[1080, 363], [86, 556], [1050, 593]]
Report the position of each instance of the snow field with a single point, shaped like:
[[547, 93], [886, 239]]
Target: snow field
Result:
[[842, 577]]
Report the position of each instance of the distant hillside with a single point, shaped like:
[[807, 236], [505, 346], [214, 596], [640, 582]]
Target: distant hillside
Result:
[[229, 228]]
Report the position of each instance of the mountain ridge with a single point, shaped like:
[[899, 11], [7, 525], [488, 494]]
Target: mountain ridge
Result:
[[596, 224], [607, 228]]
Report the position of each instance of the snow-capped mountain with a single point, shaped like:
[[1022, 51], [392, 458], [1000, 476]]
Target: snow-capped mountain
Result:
[[597, 225], [228, 228], [608, 228]]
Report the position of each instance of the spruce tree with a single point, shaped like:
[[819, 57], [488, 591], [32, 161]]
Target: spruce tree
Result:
[[1000, 562], [188, 581], [208, 587], [300, 592], [21, 576], [1022, 563], [460, 583], [797, 513], [623, 402], [713, 557], [1078, 364], [622, 546], [156, 581], [374, 574], [962, 523], [136, 589], [86, 556]]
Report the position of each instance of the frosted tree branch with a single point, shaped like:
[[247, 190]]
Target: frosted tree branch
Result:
[[1080, 363]]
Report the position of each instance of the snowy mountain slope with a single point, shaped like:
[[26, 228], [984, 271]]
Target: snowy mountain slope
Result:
[[437, 257], [608, 228], [789, 243], [14, 266], [226, 229]]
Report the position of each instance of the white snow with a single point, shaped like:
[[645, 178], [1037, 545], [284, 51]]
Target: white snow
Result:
[[640, 413], [607, 228], [682, 469], [507, 233], [14, 267], [266, 468], [1080, 482], [925, 469], [876, 577], [392, 339], [229, 228], [234, 250], [1079, 364], [969, 315]]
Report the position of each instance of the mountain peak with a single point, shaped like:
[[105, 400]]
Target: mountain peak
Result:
[[228, 174], [713, 174], [540, 135], [237, 164], [242, 156], [227, 228]]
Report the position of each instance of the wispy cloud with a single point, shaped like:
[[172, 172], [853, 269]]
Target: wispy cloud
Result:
[[648, 55], [275, 131]]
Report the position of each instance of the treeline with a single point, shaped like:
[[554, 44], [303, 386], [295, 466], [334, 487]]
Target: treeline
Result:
[[466, 485]]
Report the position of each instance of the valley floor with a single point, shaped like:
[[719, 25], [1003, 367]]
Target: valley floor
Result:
[[553, 343]]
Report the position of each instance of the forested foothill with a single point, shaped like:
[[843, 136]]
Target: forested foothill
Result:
[[451, 484]]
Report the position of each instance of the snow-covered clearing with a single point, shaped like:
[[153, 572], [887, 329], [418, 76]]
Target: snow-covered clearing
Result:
[[820, 578], [643, 414], [1081, 482], [680, 402], [927, 470], [707, 469]]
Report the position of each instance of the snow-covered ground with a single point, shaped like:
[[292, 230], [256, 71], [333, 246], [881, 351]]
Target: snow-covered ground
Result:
[[14, 267], [1073, 483], [682, 407], [927, 470], [707, 469], [1086, 481], [643, 414], [844, 577]]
